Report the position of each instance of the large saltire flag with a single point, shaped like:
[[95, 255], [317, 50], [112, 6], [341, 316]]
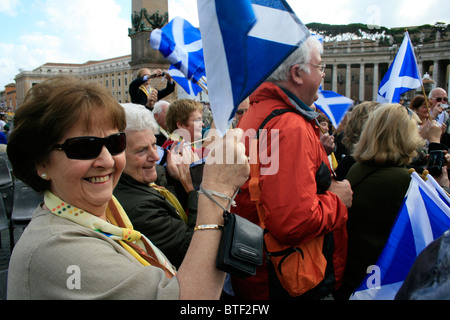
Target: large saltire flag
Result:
[[423, 217], [181, 44], [244, 41], [403, 75], [334, 105]]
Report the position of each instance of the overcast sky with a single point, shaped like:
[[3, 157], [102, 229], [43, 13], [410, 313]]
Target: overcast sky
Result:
[[75, 31]]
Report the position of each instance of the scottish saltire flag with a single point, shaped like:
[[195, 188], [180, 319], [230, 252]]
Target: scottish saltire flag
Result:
[[441, 192], [244, 41], [333, 105], [403, 74], [190, 87], [180, 43], [423, 217]]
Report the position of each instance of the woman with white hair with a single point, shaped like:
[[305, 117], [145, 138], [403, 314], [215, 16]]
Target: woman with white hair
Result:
[[153, 209]]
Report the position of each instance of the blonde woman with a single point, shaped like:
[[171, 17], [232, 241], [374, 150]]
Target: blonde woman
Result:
[[379, 180]]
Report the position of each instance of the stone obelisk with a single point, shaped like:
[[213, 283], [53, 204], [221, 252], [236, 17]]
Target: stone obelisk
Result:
[[147, 15]]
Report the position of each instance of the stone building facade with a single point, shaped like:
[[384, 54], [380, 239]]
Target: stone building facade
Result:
[[354, 68], [114, 73]]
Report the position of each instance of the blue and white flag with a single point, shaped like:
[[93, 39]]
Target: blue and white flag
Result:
[[318, 37], [333, 105], [423, 217], [190, 87], [403, 74], [435, 186], [244, 41], [180, 43]]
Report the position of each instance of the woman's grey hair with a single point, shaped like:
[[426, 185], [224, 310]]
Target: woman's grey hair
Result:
[[139, 118], [301, 56]]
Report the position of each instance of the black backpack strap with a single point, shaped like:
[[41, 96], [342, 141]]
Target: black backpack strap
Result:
[[273, 114]]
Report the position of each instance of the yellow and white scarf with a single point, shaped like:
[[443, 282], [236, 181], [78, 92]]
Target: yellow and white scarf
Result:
[[170, 197], [119, 229]]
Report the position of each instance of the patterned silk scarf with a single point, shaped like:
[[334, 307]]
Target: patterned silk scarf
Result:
[[119, 229]]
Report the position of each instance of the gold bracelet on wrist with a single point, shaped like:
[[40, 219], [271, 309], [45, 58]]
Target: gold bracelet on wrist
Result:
[[208, 227]]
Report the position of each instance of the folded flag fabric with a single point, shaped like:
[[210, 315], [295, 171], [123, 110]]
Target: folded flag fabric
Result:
[[190, 87], [441, 192], [423, 217], [180, 43], [244, 41], [334, 105], [403, 74]]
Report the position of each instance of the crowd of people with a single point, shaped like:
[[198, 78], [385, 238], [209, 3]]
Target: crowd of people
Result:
[[121, 203], [5, 130]]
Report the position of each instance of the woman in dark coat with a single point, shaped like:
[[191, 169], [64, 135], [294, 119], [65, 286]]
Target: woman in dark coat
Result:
[[379, 182], [153, 209]]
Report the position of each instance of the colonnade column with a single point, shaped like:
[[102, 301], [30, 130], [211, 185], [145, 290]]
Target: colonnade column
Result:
[[375, 81], [435, 73], [334, 78], [348, 81], [362, 82]]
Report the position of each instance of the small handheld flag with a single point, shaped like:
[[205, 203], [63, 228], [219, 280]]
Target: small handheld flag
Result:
[[180, 43], [403, 74], [333, 105]]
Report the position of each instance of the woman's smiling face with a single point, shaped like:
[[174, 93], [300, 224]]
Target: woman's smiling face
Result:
[[142, 155], [86, 184]]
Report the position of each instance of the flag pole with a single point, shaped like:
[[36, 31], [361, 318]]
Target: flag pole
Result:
[[426, 102], [201, 85]]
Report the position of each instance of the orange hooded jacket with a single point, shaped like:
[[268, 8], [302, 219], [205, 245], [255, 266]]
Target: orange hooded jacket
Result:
[[294, 212]]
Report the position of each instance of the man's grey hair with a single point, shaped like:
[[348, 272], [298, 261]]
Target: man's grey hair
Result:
[[139, 118], [158, 107], [301, 56]]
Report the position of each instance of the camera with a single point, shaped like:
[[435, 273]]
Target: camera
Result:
[[436, 161]]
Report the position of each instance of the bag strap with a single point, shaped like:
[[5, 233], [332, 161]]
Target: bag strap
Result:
[[273, 114], [254, 189]]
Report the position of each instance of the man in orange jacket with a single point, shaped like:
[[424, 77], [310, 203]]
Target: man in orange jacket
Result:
[[294, 209]]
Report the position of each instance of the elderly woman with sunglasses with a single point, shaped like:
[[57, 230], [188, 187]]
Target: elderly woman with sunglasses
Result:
[[68, 143]]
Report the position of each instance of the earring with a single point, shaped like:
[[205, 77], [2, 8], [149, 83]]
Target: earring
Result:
[[44, 176]]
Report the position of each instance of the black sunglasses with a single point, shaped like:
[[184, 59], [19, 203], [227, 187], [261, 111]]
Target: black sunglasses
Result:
[[440, 99], [86, 148]]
